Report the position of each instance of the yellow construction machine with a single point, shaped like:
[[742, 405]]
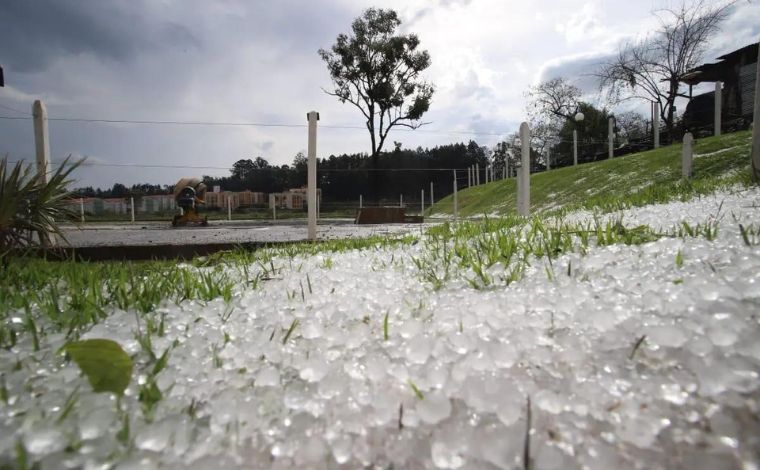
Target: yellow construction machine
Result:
[[189, 194]]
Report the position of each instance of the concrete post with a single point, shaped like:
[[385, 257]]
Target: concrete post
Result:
[[575, 147], [687, 155], [401, 200], [41, 140], [81, 209], [229, 209], [656, 125], [610, 137], [361, 202], [422, 202], [755, 128], [718, 105], [312, 117], [132, 207], [456, 202], [523, 182], [548, 158], [477, 174], [431, 194]]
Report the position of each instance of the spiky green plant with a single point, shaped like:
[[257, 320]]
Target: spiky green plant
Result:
[[31, 210]]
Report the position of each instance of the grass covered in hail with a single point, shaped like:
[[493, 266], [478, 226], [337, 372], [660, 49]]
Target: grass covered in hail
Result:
[[572, 339], [630, 181]]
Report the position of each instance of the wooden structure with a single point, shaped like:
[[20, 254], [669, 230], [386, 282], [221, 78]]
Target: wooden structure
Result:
[[737, 72], [385, 215]]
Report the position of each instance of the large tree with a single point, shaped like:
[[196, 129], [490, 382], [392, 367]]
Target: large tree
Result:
[[378, 71], [652, 67], [554, 99], [551, 105]]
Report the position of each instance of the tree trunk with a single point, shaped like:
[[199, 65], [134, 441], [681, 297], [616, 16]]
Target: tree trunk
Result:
[[375, 177]]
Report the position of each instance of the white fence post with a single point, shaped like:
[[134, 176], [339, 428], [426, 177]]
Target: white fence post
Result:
[[132, 207], [41, 140], [431, 194], [575, 147], [610, 137], [422, 203], [401, 200], [477, 174], [755, 157], [687, 155], [229, 209], [718, 105], [81, 209], [361, 202], [548, 159], [456, 203], [312, 117], [656, 124], [523, 181]]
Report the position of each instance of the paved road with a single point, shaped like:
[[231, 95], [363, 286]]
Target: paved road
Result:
[[158, 233]]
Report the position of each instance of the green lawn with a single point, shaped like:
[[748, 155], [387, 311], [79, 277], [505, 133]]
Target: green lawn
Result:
[[633, 180]]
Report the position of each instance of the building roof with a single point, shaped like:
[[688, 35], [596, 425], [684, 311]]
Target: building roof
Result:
[[748, 49], [719, 71]]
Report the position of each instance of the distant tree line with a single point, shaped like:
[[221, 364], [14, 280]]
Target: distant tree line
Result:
[[341, 177], [346, 177], [119, 190]]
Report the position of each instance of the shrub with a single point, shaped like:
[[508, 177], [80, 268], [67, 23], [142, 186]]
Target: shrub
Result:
[[29, 209]]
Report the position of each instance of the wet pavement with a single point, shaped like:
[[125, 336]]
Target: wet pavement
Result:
[[222, 232]]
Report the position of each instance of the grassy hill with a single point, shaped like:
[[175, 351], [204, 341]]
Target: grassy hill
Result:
[[633, 180]]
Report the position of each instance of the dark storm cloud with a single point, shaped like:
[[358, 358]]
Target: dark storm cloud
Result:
[[579, 70], [36, 32]]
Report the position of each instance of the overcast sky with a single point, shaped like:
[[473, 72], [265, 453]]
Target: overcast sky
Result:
[[256, 61]]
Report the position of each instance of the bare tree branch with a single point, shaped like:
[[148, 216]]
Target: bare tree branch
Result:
[[653, 67]]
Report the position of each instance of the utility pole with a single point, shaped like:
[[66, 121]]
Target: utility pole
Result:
[[41, 140], [312, 117], [718, 106], [755, 126], [523, 177], [456, 203]]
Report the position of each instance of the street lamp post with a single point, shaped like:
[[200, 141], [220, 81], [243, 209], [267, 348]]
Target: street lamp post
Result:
[[579, 117]]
